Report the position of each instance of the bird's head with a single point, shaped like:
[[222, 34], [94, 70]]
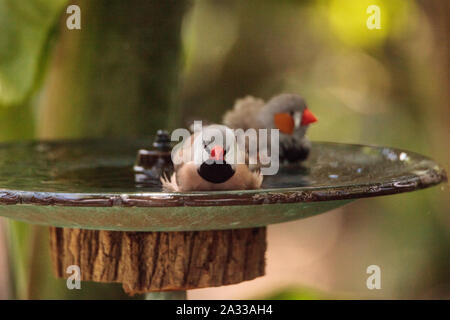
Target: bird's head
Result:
[[216, 153], [288, 113]]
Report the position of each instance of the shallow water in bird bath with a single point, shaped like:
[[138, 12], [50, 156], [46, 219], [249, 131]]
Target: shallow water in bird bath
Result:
[[99, 166]]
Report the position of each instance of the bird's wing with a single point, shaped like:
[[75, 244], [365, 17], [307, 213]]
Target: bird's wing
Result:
[[244, 113], [257, 179], [244, 179]]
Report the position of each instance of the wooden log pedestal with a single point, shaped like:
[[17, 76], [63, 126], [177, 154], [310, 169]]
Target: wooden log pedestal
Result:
[[160, 261]]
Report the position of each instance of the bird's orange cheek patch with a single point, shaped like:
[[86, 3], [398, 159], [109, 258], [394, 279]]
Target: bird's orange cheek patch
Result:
[[284, 122]]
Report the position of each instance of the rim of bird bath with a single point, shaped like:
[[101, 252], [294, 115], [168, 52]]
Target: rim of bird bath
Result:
[[90, 184]]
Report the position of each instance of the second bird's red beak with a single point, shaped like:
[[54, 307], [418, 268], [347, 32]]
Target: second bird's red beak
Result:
[[217, 153], [308, 117]]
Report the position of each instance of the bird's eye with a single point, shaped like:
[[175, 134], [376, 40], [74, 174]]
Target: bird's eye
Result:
[[207, 143], [291, 113]]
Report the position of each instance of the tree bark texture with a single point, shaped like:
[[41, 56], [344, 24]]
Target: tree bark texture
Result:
[[160, 261]]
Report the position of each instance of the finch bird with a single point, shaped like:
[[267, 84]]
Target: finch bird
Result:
[[286, 112], [210, 160]]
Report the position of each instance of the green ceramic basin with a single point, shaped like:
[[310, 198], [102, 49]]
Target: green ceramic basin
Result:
[[91, 184]]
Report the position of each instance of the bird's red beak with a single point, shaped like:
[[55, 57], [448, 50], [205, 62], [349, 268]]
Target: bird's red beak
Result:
[[217, 153], [308, 117]]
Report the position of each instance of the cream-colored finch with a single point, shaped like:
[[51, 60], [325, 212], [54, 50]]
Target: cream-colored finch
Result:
[[207, 162]]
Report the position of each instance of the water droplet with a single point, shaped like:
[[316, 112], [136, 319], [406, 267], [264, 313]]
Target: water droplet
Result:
[[403, 156]]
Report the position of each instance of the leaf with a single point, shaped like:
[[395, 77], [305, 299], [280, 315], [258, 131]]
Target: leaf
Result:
[[296, 293], [24, 26], [19, 236]]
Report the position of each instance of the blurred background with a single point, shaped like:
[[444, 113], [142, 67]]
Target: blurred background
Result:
[[137, 66]]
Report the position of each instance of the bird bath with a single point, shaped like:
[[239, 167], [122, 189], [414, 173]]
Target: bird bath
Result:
[[88, 190]]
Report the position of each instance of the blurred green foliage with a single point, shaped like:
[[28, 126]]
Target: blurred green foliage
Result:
[[24, 44], [25, 29]]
